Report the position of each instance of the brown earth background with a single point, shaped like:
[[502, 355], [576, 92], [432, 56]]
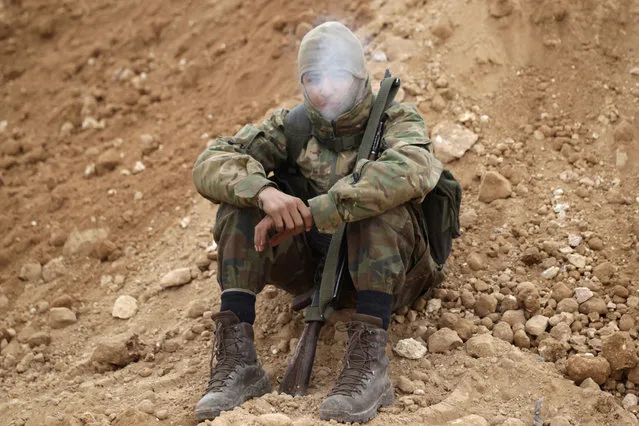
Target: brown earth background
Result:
[[105, 106]]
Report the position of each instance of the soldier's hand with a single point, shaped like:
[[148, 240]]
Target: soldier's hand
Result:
[[261, 234], [288, 213]]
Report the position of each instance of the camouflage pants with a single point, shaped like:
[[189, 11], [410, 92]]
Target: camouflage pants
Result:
[[386, 253]]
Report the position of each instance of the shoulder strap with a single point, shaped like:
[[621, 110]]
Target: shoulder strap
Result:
[[297, 130], [390, 86]]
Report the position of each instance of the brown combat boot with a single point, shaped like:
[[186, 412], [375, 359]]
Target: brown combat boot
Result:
[[363, 386], [238, 375]]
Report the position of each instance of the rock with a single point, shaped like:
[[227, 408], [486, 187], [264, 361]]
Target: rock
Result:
[[410, 348], [452, 140], [595, 243], [138, 167], [630, 400], [476, 262], [561, 332], [579, 367], [124, 307], [559, 421], [434, 305], [594, 304], [521, 339], [561, 291], [176, 277], [528, 296], [627, 322], [39, 338], [63, 301], [590, 384], [148, 144], [107, 162], [513, 422], [503, 331], [30, 272], [508, 303], [582, 294], [53, 269], [536, 326], [468, 218], [531, 256], [604, 271], [568, 305], [104, 250], [133, 416], [57, 238], [442, 30], [471, 420], [514, 317], [482, 346], [486, 304], [439, 104], [624, 132], [274, 419], [619, 349], [577, 260], [146, 406], [405, 384], [574, 240], [196, 308], [117, 351], [494, 187], [203, 263], [633, 374], [82, 242], [552, 349], [61, 317], [550, 273], [501, 8], [443, 340], [464, 328], [468, 299]]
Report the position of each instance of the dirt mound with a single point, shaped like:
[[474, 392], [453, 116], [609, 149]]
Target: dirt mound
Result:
[[105, 107]]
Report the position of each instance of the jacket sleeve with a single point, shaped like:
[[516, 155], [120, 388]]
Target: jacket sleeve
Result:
[[234, 169], [405, 172]]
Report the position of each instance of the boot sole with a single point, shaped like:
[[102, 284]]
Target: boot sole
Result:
[[261, 387], [384, 400]]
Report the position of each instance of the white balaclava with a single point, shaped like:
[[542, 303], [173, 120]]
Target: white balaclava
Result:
[[332, 46]]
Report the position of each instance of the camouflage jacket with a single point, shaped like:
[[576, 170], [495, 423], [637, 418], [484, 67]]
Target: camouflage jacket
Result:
[[234, 169]]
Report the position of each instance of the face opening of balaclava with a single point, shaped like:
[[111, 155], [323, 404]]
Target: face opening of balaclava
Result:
[[332, 46]]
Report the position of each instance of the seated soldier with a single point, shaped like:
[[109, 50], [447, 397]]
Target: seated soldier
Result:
[[389, 260]]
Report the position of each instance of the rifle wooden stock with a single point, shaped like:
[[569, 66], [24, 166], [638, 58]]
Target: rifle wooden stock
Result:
[[298, 372]]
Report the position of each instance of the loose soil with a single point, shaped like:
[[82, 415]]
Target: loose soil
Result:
[[106, 105]]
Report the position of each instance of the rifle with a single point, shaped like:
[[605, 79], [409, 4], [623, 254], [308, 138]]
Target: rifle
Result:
[[298, 372]]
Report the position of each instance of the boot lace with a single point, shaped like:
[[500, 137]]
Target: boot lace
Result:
[[357, 361], [227, 358]]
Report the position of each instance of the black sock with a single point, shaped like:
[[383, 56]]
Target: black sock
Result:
[[241, 303], [376, 304]]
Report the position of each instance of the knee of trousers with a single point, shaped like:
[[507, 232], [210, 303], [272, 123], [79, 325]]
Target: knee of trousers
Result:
[[381, 249]]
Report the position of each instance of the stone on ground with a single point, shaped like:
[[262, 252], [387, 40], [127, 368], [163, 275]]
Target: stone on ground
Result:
[[410, 349]]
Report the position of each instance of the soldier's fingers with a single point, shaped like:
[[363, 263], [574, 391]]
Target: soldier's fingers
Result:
[[289, 223], [306, 215], [279, 222], [298, 220], [261, 232]]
